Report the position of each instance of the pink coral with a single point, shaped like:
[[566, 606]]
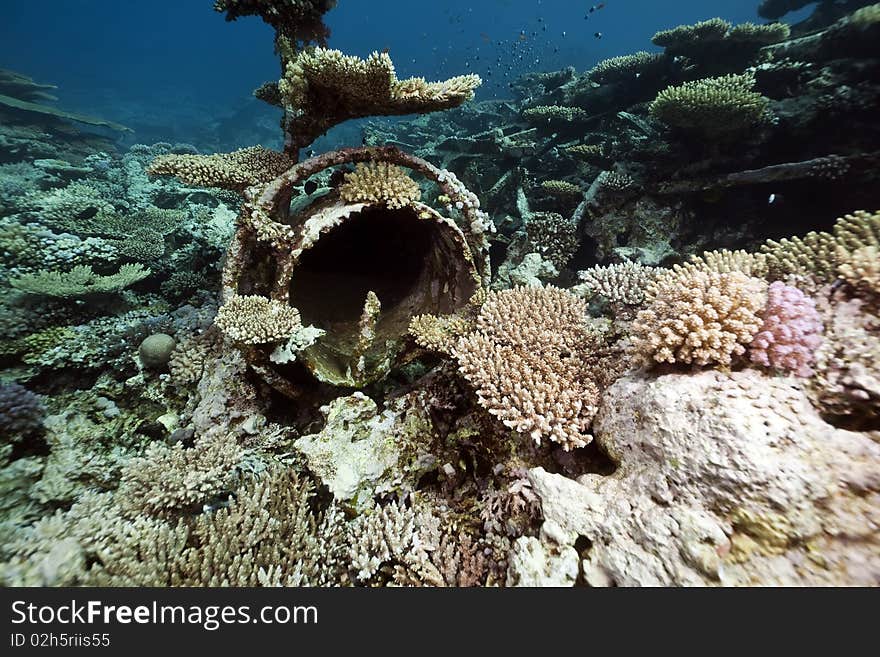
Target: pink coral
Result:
[[791, 332]]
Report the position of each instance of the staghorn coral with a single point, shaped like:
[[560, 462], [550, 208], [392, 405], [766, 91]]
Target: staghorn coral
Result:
[[171, 480], [698, 317], [623, 283], [257, 320], [235, 171], [791, 331], [380, 182], [553, 236], [398, 540], [529, 361], [78, 282], [626, 67], [716, 108], [322, 88]]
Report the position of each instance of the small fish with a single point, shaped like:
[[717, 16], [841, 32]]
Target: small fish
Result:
[[598, 35], [310, 152], [775, 199], [310, 187]]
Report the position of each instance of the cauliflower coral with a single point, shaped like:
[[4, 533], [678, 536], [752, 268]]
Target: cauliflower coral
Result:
[[791, 332]]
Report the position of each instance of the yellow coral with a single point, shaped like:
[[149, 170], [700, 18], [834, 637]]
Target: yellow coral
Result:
[[380, 182]]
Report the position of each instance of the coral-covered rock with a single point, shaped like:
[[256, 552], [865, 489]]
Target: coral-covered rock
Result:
[[727, 479], [353, 454]]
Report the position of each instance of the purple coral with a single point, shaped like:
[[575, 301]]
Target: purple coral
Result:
[[21, 411], [791, 332]]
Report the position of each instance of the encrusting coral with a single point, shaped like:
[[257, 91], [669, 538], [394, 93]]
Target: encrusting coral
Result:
[[698, 317], [529, 361]]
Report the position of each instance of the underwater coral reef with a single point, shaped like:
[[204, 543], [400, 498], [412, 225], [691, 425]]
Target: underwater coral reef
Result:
[[622, 329]]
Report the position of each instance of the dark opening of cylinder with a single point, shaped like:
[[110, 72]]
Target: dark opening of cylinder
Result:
[[414, 265], [381, 250]]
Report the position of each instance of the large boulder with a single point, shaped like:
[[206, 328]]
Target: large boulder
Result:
[[722, 479]]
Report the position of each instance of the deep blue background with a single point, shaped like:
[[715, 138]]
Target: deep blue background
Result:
[[176, 65]]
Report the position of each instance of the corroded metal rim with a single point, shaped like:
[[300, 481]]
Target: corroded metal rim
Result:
[[258, 223]]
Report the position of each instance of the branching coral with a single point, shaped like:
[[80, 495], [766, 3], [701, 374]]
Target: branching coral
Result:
[[380, 182], [626, 67], [717, 108], [861, 270], [724, 261], [234, 171], [554, 114], [553, 236], [438, 332], [78, 282], [717, 37], [623, 283], [759, 35], [791, 331], [267, 535], [529, 360], [820, 257], [171, 480], [562, 189], [399, 539], [323, 87], [586, 151], [257, 320], [698, 317]]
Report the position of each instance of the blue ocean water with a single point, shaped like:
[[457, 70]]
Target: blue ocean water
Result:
[[171, 68]]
